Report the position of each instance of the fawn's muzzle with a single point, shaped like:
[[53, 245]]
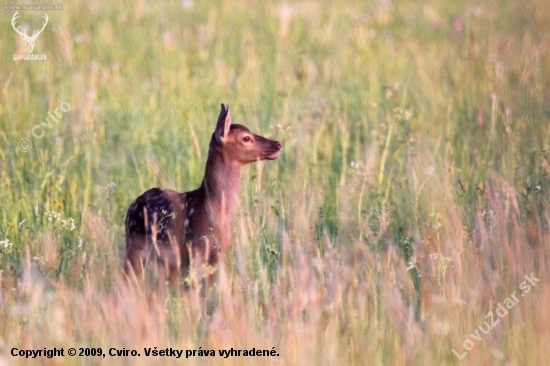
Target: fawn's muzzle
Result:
[[274, 152]]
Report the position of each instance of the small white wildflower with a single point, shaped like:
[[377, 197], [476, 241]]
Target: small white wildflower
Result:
[[401, 113], [444, 260], [52, 216], [490, 218], [68, 224], [412, 263], [38, 261], [5, 247], [358, 167], [6, 244]]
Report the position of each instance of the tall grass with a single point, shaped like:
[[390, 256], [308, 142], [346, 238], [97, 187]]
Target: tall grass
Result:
[[411, 198]]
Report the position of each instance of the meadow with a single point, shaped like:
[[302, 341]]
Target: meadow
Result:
[[411, 198]]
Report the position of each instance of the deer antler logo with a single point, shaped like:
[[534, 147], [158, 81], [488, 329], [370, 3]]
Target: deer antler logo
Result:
[[29, 41]]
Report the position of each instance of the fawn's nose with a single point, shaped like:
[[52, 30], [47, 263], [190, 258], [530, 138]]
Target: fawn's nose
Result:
[[278, 145]]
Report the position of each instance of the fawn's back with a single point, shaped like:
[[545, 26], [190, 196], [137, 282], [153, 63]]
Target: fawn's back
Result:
[[176, 230]]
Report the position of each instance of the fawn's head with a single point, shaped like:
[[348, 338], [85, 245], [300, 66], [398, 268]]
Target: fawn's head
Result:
[[237, 144]]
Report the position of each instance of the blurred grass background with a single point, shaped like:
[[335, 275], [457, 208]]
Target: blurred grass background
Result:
[[412, 195]]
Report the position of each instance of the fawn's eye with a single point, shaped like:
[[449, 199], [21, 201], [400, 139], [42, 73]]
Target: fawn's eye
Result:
[[247, 139]]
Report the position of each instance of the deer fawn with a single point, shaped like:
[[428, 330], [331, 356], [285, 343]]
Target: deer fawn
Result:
[[191, 229]]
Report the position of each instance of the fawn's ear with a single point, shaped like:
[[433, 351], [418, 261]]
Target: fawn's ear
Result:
[[224, 123]]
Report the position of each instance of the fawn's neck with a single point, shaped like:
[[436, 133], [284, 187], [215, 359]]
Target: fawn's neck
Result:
[[220, 184]]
